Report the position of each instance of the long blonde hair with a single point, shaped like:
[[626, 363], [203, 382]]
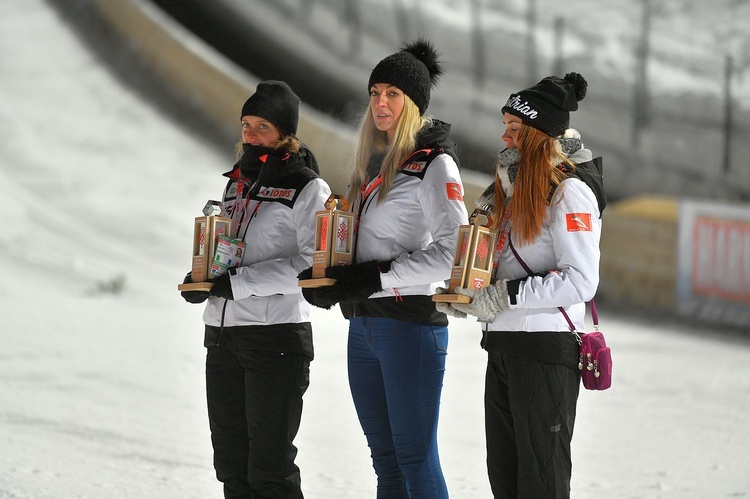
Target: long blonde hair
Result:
[[536, 179], [373, 141]]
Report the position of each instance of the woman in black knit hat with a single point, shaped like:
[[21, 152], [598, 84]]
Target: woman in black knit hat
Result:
[[547, 200], [407, 193], [258, 335]]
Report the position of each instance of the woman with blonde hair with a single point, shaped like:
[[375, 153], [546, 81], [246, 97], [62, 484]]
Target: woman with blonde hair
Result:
[[547, 200], [407, 193]]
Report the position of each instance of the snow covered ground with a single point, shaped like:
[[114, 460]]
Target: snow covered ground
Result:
[[101, 365]]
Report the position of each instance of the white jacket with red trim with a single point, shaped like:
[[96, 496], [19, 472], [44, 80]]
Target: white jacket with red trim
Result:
[[566, 253], [416, 226], [278, 225]]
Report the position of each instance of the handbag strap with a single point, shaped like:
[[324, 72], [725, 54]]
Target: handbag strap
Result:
[[572, 327]]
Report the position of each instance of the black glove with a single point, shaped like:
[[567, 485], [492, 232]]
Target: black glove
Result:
[[312, 294], [223, 286], [193, 296], [354, 283]]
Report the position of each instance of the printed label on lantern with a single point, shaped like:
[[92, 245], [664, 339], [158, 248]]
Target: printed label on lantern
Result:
[[478, 283], [462, 247], [481, 260], [322, 233], [202, 239], [342, 235], [456, 273], [578, 222]]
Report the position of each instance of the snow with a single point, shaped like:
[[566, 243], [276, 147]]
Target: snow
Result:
[[101, 368]]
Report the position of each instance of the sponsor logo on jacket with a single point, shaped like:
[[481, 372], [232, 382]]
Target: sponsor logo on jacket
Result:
[[454, 191], [276, 193], [415, 166], [578, 222]]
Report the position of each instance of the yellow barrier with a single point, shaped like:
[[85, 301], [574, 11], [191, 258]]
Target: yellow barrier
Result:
[[639, 252]]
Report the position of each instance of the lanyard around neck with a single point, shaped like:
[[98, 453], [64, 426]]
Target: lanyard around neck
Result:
[[502, 238], [238, 215]]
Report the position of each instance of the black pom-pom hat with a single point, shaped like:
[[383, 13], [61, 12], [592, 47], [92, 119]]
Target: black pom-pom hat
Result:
[[547, 105], [415, 69]]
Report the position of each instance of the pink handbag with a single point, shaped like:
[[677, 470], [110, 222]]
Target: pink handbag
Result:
[[595, 357]]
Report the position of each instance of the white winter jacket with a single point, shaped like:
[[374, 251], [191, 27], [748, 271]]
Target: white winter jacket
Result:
[[279, 228], [416, 227], [566, 253]]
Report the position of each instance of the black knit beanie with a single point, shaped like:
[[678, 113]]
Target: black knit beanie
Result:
[[547, 105], [414, 70], [276, 103]]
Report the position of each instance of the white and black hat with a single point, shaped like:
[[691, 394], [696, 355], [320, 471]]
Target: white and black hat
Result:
[[415, 70], [547, 105]]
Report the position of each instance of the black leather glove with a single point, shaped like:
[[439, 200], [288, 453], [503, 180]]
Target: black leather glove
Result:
[[193, 296], [354, 283], [223, 286], [312, 294]]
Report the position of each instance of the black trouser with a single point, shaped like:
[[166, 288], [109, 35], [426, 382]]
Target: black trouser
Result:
[[254, 409], [530, 410]]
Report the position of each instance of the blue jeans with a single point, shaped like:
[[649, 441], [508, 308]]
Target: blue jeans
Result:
[[396, 377]]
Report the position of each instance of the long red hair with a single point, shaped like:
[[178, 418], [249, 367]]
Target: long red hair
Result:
[[537, 177]]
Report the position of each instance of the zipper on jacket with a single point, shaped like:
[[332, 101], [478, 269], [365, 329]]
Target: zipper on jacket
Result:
[[221, 327]]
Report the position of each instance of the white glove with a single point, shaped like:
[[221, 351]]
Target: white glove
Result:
[[486, 302], [446, 308]]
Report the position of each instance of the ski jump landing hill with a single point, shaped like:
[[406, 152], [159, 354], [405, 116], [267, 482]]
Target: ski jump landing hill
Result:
[[659, 253]]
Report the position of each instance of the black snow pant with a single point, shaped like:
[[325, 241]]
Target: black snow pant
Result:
[[254, 410], [530, 410]]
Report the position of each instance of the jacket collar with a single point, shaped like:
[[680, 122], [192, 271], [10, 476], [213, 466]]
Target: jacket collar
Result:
[[436, 135]]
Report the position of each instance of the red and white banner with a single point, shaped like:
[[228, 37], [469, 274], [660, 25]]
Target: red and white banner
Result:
[[714, 261]]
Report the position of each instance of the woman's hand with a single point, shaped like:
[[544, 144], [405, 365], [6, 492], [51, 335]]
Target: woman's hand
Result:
[[486, 302]]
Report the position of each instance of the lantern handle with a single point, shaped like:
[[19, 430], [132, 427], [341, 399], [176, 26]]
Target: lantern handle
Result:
[[334, 201], [481, 217]]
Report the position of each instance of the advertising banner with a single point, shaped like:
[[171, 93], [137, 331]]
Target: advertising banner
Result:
[[713, 278]]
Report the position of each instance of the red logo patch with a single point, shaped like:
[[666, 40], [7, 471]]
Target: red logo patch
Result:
[[454, 191], [578, 222]]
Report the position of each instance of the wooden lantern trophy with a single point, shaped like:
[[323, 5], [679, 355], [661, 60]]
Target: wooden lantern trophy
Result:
[[334, 241], [206, 234], [472, 264]]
